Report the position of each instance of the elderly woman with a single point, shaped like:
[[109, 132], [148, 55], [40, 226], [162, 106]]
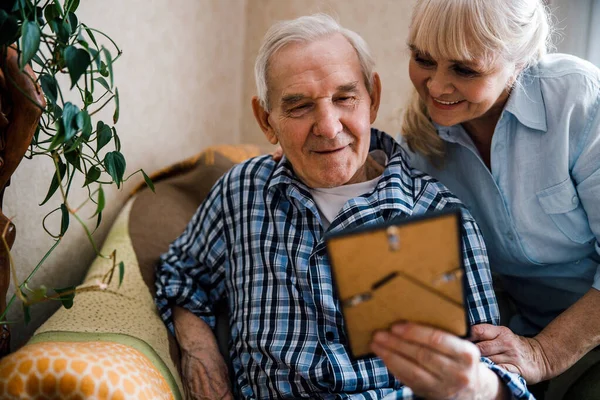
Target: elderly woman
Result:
[[514, 132]]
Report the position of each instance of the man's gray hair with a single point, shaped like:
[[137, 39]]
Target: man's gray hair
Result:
[[306, 29]]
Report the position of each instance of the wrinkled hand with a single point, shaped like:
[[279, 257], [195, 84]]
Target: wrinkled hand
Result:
[[204, 375], [514, 353], [277, 153], [433, 363]]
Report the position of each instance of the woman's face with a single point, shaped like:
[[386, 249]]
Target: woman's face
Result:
[[459, 92]]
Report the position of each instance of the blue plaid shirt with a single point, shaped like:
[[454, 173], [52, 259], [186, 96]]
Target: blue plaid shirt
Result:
[[257, 241]]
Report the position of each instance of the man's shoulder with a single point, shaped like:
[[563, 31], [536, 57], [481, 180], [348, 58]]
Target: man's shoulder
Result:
[[253, 173], [430, 194]]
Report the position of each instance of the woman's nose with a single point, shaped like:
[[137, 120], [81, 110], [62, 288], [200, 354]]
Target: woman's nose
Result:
[[439, 84]]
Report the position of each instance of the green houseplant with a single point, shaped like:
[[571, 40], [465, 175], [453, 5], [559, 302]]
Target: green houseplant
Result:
[[45, 52]]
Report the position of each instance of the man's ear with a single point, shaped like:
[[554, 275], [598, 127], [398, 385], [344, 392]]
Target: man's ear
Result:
[[375, 96], [262, 117]]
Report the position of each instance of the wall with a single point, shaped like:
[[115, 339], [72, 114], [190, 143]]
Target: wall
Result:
[[382, 23], [185, 81], [179, 81]]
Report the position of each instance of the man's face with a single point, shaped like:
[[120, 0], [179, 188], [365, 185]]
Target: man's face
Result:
[[321, 111]]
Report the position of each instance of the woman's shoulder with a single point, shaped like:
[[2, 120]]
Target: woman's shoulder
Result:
[[566, 66]]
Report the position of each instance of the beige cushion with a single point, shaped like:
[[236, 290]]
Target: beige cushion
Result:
[[126, 315]]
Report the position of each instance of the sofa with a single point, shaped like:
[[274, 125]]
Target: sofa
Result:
[[112, 344]]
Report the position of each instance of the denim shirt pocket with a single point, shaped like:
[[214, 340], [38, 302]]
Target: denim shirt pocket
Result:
[[562, 205]]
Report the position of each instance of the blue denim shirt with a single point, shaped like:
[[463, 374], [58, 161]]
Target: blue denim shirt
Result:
[[539, 205]]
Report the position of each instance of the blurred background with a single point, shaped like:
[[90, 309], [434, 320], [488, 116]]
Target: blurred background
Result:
[[185, 81]]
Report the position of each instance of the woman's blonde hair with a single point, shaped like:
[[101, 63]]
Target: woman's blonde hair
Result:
[[515, 33]]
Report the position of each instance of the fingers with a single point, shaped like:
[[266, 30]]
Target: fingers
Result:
[[493, 347], [440, 341], [406, 370], [435, 363], [482, 332]]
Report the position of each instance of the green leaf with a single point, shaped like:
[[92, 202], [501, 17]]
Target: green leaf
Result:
[[121, 272], [72, 18], [67, 298], [69, 115], [77, 61], [30, 41], [100, 202], [61, 28], [57, 111], [84, 122], [73, 157], [103, 69], [103, 133], [26, 314], [49, 86], [64, 221], [36, 59], [88, 98], [116, 138], [66, 27], [59, 136], [9, 28], [149, 182], [62, 168], [92, 175], [99, 220], [81, 40], [50, 13], [108, 58], [114, 162], [91, 35], [71, 5], [116, 114], [103, 82], [38, 294]]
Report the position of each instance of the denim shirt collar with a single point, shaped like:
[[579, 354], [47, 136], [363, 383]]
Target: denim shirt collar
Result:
[[526, 102]]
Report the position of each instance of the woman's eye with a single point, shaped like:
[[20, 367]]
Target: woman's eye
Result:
[[424, 62], [464, 71]]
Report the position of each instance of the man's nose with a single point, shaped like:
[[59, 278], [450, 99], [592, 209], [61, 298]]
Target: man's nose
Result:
[[327, 122], [439, 84]]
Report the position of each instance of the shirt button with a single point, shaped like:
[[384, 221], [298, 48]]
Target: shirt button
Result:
[[575, 200], [329, 336], [510, 236], [500, 147]]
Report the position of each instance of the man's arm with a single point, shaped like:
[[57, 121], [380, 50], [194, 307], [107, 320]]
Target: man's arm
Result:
[[203, 369]]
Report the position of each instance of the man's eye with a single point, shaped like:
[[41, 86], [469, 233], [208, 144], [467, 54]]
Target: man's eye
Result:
[[298, 110], [345, 99], [464, 71]]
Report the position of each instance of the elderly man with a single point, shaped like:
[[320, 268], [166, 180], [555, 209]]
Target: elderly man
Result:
[[257, 241]]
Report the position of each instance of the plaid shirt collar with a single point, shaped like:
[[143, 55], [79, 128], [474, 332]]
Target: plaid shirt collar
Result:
[[393, 194]]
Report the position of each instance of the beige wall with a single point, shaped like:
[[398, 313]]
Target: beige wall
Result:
[[185, 81], [382, 23], [180, 83]]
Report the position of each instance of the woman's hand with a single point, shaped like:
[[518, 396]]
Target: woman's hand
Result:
[[514, 353], [435, 364]]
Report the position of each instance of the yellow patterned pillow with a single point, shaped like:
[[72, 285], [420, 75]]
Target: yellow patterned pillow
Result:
[[80, 370]]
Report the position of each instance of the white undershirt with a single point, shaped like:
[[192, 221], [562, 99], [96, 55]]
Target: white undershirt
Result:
[[330, 201]]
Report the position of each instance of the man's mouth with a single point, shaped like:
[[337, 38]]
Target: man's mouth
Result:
[[329, 151]]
